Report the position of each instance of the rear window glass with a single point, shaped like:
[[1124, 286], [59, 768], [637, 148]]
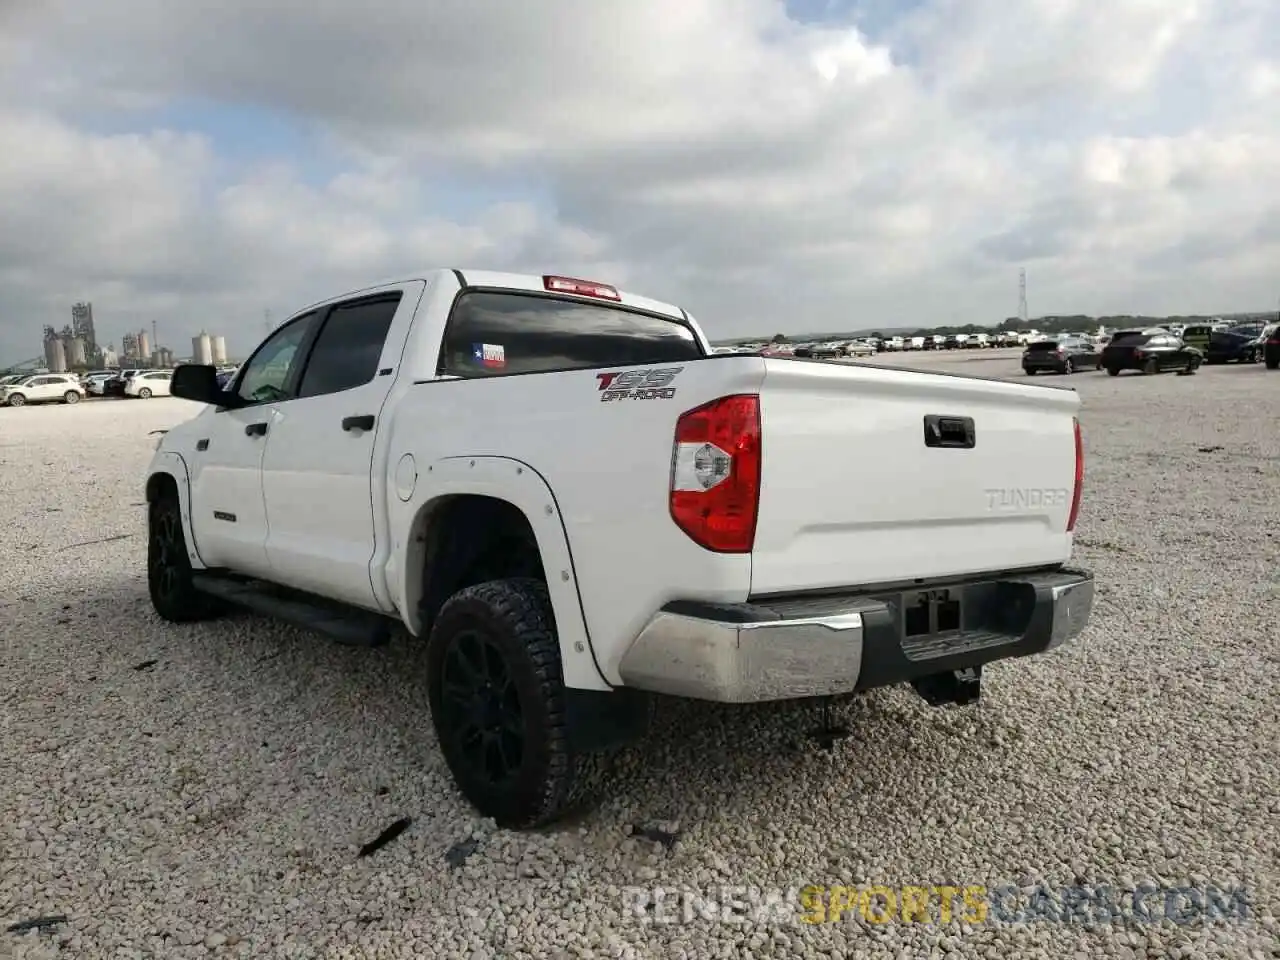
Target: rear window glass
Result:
[[1130, 339], [1196, 331], [496, 334], [1043, 345]]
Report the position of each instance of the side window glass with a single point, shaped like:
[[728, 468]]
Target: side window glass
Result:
[[266, 375], [350, 343]]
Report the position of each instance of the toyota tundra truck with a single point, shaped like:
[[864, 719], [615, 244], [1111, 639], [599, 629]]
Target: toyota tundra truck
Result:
[[576, 504]]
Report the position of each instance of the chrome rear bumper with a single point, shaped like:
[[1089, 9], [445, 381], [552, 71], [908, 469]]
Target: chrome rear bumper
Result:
[[822, 646]]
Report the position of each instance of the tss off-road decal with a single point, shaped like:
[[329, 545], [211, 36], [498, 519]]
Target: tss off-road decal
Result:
[[638, 384]]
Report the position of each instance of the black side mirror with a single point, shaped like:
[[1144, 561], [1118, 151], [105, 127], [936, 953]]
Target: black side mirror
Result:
[[198, 382]]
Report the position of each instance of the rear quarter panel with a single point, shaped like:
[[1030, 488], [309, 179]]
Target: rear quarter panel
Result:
[[608, 465]]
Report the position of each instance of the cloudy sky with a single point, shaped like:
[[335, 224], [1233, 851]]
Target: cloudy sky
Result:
[[815, 164]]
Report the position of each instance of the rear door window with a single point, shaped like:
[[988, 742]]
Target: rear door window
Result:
[[349, 345], [1129, 339], [496, 333]]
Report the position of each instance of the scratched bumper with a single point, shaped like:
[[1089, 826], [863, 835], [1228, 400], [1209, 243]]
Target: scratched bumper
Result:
[[796, 647]]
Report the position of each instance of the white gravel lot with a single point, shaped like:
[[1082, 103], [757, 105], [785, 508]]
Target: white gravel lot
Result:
[[204, 791]]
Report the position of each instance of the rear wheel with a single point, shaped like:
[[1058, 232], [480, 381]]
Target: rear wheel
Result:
[[1151, 367], [173, 595], [498, 703], [71, 397], [1273, 364], [1113, 371], [1070, 366], [1029, 371], [144, 393]]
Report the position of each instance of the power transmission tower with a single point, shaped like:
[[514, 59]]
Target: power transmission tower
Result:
[[1022, 296]]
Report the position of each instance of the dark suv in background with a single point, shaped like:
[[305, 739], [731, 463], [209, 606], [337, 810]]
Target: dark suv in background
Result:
[[1062, 355], [1151, 351], [1241, 344], [1271, 348]]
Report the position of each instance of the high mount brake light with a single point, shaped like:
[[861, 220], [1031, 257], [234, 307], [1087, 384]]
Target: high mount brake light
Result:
[[715, 473], [581, 288], [1079, 485]]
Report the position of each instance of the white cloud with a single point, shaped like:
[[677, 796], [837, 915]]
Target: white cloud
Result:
[[767, 173]]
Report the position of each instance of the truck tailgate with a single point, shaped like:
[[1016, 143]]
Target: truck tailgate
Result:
[[853, 493]]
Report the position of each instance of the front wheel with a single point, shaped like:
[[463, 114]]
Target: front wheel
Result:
[[71, 397], [16, 400], [1113, 371], [498, 704], [173, 595]]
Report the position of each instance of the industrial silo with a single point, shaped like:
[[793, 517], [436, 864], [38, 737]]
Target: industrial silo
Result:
[[58, 359], [144, 346], [219, 350], [202, 349], [76, 352]]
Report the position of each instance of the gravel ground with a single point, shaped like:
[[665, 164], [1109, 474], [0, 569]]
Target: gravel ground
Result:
[[205, 791]]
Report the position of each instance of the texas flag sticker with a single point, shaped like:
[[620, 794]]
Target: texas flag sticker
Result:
[[489, 354]]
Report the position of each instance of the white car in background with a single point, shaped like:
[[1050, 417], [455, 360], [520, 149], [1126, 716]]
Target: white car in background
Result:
[[151, 383], [93, 382], [42, 388]]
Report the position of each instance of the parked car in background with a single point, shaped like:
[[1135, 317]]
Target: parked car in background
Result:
[[42, 388], [115, 386], [227, 375], [94, 382], [1151, 350], [152, 383], [1063, 355], [1271, 347], [1198, 335], [859, 348], [1237, 345]]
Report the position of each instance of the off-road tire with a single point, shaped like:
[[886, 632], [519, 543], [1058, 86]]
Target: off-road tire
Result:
[[173, 595], [71, 397], [513, 620]]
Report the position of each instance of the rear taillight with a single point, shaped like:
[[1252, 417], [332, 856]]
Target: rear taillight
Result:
[[582, 288], [715, 473], [1062, 353], [1079, 487], [1274, 342]]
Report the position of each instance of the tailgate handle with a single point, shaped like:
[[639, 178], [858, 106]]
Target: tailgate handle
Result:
[[955, 432]]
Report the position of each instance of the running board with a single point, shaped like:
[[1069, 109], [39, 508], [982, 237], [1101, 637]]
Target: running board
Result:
[[347, 625]]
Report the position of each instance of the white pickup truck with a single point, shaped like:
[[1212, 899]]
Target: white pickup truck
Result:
[[576, 504]]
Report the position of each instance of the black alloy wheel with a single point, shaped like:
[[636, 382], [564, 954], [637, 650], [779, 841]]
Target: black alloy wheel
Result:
[[498, 703], [480, 707], [169, 572]]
